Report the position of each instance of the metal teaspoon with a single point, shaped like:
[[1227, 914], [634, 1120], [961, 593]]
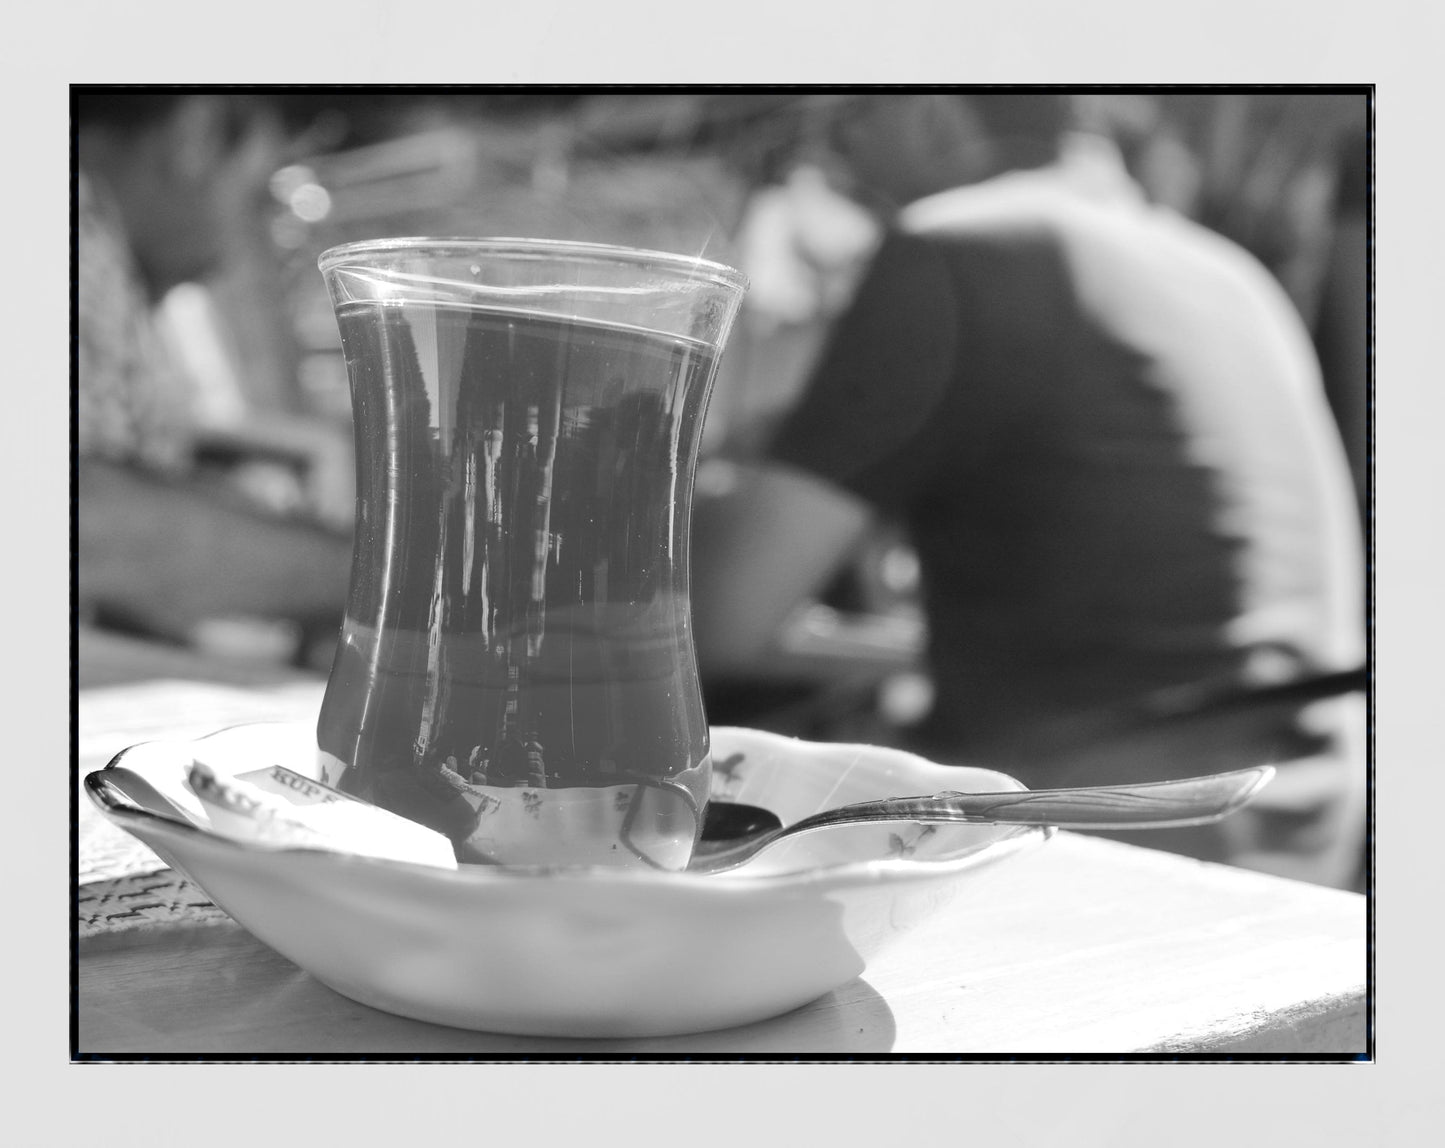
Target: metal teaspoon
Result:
[[1152, 805]]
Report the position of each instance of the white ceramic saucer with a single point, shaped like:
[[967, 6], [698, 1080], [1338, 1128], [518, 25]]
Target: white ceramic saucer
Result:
[[588, 952]]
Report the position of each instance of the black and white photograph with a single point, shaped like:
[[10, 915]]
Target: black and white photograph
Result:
[[709, 571], [711, 586]]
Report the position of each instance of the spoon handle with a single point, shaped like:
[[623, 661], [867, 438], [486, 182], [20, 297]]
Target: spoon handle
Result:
[[1187, 801]]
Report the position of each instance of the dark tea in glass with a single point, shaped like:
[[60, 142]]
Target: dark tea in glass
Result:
[[516, 665]]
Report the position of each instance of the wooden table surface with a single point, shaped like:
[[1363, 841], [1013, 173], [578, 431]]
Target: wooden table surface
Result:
[[1085, 946]]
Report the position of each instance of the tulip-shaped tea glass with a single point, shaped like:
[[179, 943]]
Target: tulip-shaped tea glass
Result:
[[516, 665]]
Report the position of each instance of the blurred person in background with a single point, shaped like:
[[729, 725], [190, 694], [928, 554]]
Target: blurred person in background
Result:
[[163, 548], [1104, 430]]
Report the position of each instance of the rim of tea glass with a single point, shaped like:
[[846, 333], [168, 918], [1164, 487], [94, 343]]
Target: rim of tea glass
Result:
[[693, 265]]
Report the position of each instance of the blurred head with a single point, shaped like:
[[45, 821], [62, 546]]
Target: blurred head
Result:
[[899, 147], [181, 167]]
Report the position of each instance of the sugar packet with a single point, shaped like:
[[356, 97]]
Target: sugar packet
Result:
[[278, 806]]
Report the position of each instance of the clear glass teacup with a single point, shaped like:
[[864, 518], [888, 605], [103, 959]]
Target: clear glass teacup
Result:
[[516, 665]]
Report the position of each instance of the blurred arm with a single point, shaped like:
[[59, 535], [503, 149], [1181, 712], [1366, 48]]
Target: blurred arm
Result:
[[315, 456], [166, 556], [766, 542]]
